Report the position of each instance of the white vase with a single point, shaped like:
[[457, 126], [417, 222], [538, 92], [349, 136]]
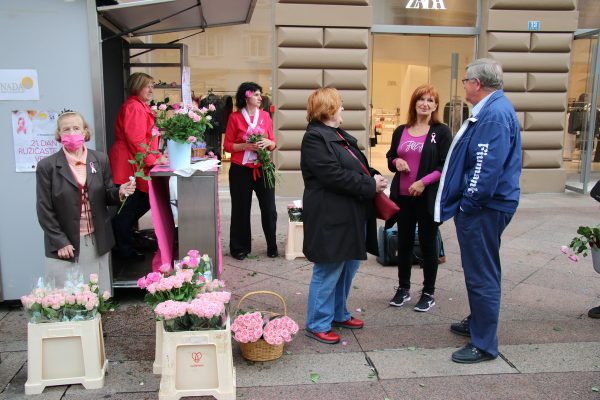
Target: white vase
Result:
[[180, 155], [596, 259]]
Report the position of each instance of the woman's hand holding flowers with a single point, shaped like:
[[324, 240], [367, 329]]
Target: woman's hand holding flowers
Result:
[[380, 183], [127, 189], [265, 144]]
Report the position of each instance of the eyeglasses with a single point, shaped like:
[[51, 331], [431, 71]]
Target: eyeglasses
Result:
[[467, 80]]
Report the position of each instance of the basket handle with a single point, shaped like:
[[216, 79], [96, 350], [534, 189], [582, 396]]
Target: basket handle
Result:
[[249, 294]]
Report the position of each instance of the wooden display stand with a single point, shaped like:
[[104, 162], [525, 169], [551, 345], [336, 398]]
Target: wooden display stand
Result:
[[197, 363], [65, 353], [295, 240]]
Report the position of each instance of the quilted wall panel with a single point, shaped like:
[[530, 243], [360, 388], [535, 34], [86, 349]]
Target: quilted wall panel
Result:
[[318, 44]]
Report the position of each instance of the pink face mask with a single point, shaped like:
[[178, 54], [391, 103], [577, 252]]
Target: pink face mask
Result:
[[72, 142]]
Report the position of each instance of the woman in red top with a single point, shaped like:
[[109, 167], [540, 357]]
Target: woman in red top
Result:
[[133, 128], [245, 176]]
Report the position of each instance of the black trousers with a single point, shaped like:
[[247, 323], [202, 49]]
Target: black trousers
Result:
[[123, 223], [241, 186], [413, 210]]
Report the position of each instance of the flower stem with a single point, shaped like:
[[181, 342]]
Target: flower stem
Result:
[[122, 204]]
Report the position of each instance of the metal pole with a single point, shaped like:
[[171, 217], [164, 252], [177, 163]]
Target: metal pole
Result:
[[591, 125]]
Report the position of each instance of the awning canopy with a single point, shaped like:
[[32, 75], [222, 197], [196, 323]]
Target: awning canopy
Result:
[[147, 17]]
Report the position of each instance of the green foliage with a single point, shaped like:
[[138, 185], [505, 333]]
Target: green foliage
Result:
[[588, 237], [180, 125]]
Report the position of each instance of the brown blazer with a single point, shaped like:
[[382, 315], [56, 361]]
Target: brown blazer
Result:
[[58, 202]]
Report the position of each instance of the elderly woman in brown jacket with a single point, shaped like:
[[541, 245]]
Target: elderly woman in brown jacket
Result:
[[74, 189]]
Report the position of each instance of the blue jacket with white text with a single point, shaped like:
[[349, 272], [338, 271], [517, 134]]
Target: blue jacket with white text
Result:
[[483, 165]]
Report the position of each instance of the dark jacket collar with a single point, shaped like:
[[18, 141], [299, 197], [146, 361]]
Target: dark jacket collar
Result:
[[330, 134]]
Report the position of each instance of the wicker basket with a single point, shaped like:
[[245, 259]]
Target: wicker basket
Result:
[[261, 350]]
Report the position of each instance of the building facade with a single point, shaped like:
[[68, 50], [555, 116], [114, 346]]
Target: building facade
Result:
[[376, 53]]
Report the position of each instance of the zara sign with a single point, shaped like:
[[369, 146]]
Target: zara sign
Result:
[[426, 4]]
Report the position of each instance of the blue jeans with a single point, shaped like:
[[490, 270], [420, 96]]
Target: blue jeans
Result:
[[328, 292]]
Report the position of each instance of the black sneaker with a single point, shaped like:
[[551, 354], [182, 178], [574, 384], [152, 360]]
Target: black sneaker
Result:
[[426, 303], [462, 328], [402, 296]]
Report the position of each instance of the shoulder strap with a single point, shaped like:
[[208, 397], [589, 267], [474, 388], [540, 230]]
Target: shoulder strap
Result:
[[347, 147]]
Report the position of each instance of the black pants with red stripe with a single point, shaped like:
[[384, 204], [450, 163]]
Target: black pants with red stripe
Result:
[[241, 186]]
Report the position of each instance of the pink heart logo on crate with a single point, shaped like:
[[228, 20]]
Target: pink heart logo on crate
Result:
[[196, 357]]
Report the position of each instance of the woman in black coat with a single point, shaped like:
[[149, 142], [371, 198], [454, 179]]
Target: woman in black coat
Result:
[[338, 214], [417, 157]]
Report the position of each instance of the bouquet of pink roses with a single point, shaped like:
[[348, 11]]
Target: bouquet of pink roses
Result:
[[72, 303], [263, 157], [207, 311], [182, 283], [262, 334], [186, 297], [251, 327]]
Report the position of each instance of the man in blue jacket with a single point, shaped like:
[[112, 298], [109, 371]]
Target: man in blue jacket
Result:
[[479, 187]]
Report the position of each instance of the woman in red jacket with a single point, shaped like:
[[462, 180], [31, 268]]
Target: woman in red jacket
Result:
[[245, 176], [133, 128]]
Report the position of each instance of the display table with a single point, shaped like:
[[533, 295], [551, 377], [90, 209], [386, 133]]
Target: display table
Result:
[[198, 216]]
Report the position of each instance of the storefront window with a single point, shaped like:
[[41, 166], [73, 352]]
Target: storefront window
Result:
[[220, 58], [425, 12], [589, 14]]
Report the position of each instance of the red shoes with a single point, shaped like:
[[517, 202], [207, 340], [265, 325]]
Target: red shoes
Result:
[[324, 337], [352, 323]]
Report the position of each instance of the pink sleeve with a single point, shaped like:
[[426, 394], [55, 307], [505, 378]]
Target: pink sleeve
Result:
[[431, 178]]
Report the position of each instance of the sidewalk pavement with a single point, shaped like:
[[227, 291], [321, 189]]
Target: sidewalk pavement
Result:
[[549, 347]]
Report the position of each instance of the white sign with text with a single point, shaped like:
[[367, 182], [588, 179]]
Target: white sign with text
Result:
[[19, 84]]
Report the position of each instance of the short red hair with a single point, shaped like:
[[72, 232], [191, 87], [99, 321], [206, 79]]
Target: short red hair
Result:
[[417, 94], [323, 103]]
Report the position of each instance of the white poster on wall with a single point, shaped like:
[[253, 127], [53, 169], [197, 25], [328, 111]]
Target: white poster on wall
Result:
[[19, 84], [186, 89], [33, 137]]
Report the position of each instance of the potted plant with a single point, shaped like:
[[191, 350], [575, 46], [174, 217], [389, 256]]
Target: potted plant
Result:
[[180, 128], [588, 240]]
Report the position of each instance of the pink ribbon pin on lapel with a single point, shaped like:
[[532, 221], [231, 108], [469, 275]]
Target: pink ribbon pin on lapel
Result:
[[433, 137], [92, 167]]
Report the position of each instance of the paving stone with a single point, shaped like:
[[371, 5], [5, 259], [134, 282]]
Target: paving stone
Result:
[[340, 391], [551, 302], [11, 364], [296, 369], [16, 388], [554, 357], [568, 386], [131, 320], [419, 362], [123, 377], [13, 326], [129, 348]]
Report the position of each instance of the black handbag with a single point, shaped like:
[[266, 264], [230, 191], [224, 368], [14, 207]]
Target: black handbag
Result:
[[595, 193]]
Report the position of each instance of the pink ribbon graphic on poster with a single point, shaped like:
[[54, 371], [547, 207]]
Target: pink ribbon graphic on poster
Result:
[[33, 137]]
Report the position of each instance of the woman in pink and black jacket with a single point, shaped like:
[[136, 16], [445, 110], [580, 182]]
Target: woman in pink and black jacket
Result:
[[417, 157]]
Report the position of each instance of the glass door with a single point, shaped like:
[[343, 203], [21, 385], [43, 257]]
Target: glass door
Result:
[[403, 62], [581, 149]]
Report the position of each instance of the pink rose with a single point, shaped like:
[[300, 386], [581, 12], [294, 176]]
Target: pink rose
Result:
[[211, 107], [192, 139], [162, 107], [249, 93], [141, 283], [176, 106], [94, 278]]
